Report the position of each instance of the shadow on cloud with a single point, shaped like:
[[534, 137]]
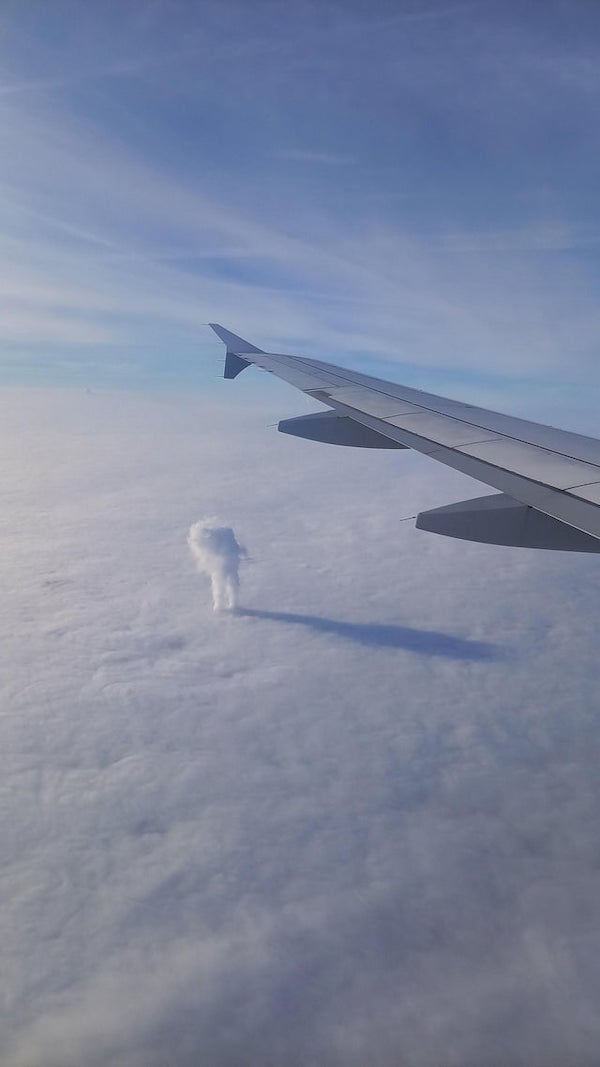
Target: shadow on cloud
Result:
[[388, 635]]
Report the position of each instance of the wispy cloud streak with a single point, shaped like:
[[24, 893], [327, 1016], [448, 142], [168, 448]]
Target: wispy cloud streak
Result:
[[135, 219]]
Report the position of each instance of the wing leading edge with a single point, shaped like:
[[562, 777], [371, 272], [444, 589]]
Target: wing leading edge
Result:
[[549, 479]]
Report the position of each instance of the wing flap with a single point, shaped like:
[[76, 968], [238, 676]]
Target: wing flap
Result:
[[375, 403], [442, 428], [589, 492], [541, 465]]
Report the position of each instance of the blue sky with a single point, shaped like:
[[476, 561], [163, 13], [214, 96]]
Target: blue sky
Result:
[[410, 184]]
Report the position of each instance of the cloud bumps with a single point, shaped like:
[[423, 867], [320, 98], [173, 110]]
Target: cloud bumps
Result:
[[268, 841], [218, 554]]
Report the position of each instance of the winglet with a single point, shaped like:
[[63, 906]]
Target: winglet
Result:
[[234, 363], [234, 343]]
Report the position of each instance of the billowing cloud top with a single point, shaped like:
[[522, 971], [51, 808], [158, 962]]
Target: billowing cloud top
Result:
[[217, 553]]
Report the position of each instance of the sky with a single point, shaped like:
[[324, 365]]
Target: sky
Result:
[[357, 819], [409, 186]]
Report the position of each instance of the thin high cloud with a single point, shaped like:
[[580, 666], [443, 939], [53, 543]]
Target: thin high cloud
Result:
[[387, 279], [327, 159], [106, 228]]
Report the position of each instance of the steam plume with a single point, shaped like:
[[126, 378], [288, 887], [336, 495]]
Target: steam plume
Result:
[[218, 554]]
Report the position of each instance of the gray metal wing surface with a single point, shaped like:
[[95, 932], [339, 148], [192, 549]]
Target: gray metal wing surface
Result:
[[549, 479]]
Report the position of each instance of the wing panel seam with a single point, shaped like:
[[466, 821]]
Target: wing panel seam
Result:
[[319, 372]]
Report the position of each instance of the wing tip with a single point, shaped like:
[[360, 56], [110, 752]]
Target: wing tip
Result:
[[235, 344]]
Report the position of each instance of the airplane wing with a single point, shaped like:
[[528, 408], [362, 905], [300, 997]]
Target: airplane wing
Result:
[[548, 479]]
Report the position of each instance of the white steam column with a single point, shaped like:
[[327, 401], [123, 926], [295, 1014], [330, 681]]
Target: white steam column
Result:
[[217, 554]]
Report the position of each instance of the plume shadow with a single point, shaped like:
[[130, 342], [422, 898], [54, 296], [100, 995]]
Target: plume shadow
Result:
[[388, 635]]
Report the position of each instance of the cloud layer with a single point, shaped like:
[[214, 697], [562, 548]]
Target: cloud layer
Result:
[[356, 821]]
